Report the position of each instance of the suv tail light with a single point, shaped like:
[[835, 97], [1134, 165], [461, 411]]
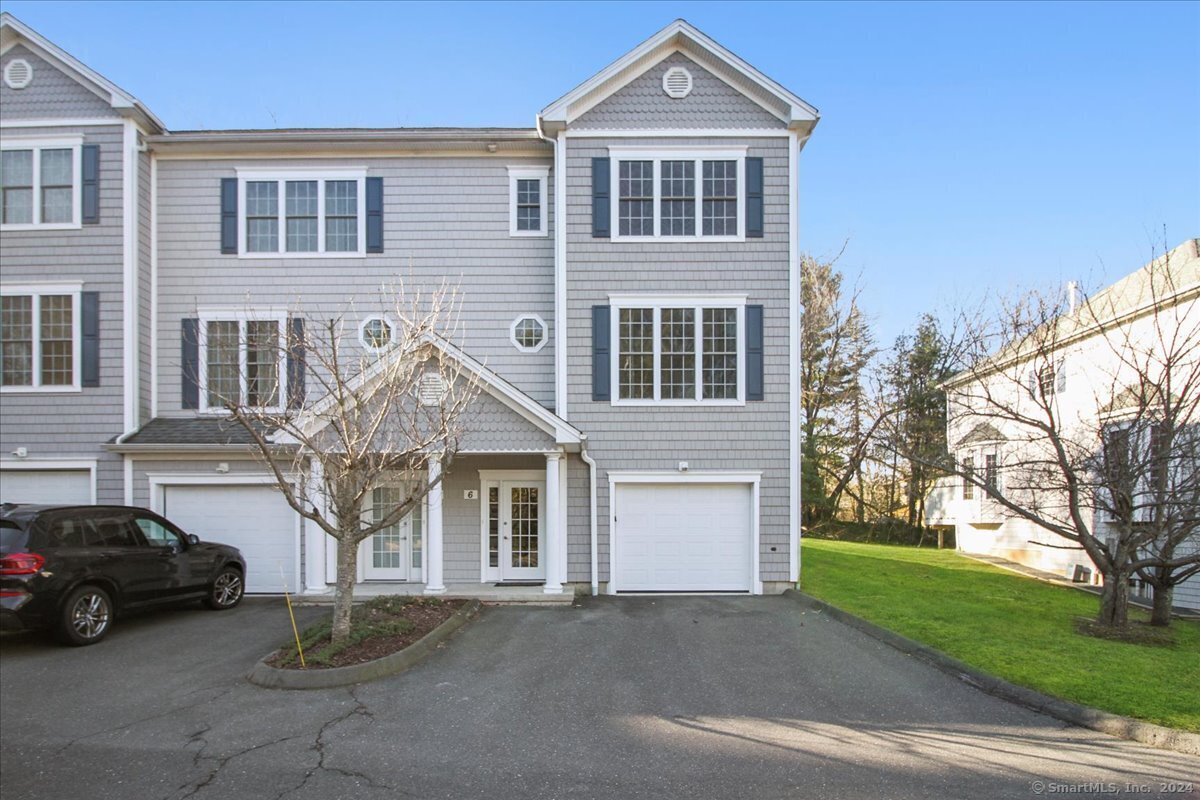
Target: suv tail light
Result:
[[21, 564]]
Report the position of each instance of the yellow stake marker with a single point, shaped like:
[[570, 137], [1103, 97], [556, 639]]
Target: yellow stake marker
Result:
[[295, 632]]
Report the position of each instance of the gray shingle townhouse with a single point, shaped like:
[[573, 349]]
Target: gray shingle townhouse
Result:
[[628, 279]]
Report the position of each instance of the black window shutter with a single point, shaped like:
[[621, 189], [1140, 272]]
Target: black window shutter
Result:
[[89, 320], [295, 363], [601, 189], [374, 215], [754, 352], [754, 198], [91, 184], [189, 362], [229, 212], [601, 364]]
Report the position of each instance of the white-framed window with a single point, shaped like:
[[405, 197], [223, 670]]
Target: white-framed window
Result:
[[528, 333], [40, 338], [377, 333], [968, 483], [527, 209], [40, 183], [302, 213], [243, 359], [682, 350], [671, 194]]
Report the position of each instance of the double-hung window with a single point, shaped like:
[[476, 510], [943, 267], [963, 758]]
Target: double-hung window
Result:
[[670, 194], [242, 358], [40, 183], [302, 214], [682, 350], [40, 338], [527, 192]]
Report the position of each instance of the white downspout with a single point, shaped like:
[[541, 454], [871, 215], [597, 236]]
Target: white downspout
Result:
[[587, 459]]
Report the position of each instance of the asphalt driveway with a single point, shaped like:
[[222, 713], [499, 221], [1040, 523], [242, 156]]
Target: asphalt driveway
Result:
[[689, 697]]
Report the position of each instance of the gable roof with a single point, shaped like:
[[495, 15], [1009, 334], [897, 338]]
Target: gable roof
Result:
[[681, 36], [14, 32]]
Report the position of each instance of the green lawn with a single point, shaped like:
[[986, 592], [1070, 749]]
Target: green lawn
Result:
[[1011, 626]]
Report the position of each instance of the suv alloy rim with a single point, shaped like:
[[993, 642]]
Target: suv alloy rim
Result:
[[90, 615], [227, 588]]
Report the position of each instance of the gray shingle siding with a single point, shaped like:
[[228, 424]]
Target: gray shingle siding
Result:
[[51, 95], [712, 103], [753, 437], [445, 219], [76, 424]]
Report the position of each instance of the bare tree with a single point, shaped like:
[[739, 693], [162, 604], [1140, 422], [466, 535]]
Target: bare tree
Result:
[[368, 416], [1093, 407]]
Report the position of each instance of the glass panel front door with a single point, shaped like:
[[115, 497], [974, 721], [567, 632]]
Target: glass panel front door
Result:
[[393, 553], [521, 525]]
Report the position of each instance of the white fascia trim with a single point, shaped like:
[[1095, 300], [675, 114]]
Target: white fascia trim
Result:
[[88, 464], [62, 123], [129, 307], [282, 175], [751, 478], [794, 323], [676, 133], [560, 277], [512, 332], [538, 173], [153, 285]]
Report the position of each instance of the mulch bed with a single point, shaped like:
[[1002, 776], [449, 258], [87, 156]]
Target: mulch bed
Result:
[[424, 614]]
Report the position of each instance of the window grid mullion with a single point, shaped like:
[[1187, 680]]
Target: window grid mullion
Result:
[[321, 216], [698, 313], [656, 346], [656, 176], [281, 216], [243, 360], [36, 195], [35, 334], [699, 172]]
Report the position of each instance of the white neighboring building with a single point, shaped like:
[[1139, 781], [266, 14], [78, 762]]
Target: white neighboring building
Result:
[[1083, 374]]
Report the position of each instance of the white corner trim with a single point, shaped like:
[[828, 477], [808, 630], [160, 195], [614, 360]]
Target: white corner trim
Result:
[[540, 174], [794, 323], [560, 277], [752, 478], [88, 464], [127, 478], [153, 285], [129, 307], [512, 333]]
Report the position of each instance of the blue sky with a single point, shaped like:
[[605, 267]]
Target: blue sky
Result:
[[962, 147]]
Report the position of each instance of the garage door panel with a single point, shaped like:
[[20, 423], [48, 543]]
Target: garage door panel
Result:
[[65, 486], [683, 537], [253, 518]]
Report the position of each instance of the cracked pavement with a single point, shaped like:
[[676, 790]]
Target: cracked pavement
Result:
[[688, 697]]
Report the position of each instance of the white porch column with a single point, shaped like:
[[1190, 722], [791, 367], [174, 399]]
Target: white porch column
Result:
[[553, 539], [433, 533], [315, 539]]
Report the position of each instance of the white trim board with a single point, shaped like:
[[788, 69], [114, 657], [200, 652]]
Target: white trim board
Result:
[[54, 464], [794, 323], [676, 133], [749, 477]]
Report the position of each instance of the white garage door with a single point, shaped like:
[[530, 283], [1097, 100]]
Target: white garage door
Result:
[[254, 519], [68, 486], [683, 537]]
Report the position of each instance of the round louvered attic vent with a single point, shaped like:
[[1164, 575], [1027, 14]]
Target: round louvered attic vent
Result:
[[18, 73], [677, 82]]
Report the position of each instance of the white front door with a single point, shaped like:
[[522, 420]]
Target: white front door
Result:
[[394, 553], [521, 530]]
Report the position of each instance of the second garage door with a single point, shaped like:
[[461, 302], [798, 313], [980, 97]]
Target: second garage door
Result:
[[683, 538], [254, 519]]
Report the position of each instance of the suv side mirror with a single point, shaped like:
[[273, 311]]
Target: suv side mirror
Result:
[[193, 538]]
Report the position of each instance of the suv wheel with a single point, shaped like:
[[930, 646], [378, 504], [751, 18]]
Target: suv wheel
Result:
[[226, 590], [86, 616]]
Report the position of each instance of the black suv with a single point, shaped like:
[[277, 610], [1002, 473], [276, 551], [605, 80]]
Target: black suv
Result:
[[73, 568]]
